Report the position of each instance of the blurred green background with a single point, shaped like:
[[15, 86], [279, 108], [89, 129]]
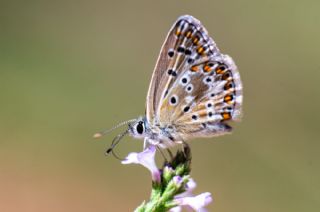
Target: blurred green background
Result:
[[71, 68]]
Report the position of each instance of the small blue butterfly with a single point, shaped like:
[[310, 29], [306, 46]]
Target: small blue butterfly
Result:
[[194, 90]]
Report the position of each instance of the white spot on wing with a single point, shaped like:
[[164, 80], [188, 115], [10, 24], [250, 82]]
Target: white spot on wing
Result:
[[239, 99], [189, 99]]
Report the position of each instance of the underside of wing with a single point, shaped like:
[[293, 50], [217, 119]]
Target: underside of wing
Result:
[[204, 98], [186, 44], [195, 89], [216, 95]]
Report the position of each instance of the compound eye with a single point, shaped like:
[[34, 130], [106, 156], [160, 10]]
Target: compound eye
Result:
[[140, 128]]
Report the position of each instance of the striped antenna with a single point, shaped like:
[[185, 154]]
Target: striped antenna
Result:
[[100, 134]]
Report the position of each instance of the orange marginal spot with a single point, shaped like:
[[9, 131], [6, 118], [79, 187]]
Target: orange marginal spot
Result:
[[194, 68], [207, 68], [188, 34], [219, 70], [196, 40], [228, 99], [178, 32], [200, 50], [226, 116]]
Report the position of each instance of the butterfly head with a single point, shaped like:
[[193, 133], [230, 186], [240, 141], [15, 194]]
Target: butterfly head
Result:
[[136, 128], [139, 128]]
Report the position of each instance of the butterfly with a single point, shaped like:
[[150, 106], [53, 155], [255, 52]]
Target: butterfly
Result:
[[195, 90]]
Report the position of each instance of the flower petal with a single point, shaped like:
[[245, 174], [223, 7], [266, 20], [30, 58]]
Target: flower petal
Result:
[[197, 202], [146, 159], [177, 180], [176, 209], [190, 186]]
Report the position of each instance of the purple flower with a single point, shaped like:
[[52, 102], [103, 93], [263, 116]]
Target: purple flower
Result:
[[197, 203], [190, 186], [188, 201], [167, 170], [177, 180], [176, 209], [146, 159]]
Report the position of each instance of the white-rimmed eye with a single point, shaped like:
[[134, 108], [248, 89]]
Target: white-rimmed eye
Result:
[[174, 100], [185, 80], [194, 117], [189, 88], [211, 95], [209, 105], [208, 80], [186, 108], [171, 53]]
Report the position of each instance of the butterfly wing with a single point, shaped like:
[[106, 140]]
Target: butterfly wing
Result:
[[195, 89], [186, 42], [216, 98]]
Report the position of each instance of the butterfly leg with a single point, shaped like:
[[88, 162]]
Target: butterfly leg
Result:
[[170, 153], [186, 150], [145, 143]]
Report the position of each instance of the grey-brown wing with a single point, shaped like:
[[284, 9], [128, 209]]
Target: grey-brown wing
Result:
[[186, 44]]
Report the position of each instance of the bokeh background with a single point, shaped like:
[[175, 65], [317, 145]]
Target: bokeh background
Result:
[[70, 68]]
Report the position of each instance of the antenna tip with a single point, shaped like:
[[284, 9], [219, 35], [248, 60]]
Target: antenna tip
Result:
[[108, 151], [97, 135]]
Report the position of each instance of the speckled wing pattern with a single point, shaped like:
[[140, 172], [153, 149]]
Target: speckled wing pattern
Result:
[[194, 87]]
